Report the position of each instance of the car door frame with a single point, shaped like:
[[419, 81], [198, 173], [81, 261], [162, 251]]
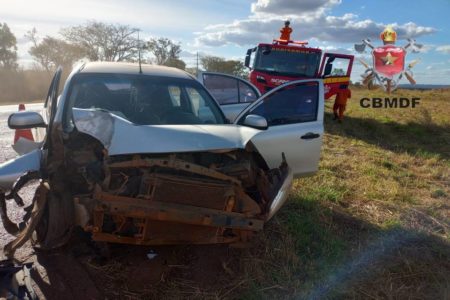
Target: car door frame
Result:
[[230, 108], [318, 123], [337, 55], [332, 83], [51, 105], [52, 97]]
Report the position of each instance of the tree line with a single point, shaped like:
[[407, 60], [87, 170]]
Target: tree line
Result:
[[98, 41], [92, 41]]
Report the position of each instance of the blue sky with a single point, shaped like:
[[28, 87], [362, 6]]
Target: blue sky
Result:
[[228, 28]]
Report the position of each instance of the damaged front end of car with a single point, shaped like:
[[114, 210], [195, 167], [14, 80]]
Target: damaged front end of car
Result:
[[194, 198], [172, 185]]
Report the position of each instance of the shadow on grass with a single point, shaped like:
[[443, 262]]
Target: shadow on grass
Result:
[[424, 139], [315, 250]]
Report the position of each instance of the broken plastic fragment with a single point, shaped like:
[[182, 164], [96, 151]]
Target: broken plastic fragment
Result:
[[151, 255]]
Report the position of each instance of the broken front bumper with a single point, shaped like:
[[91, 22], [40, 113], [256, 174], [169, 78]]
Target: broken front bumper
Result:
[[172, 209]]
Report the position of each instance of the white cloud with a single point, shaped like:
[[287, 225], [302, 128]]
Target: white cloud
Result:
[[143, 14], [291, 7], [332, 48], [434, 65], [310, 20], [188, 54], [443, 49], [425, 48]]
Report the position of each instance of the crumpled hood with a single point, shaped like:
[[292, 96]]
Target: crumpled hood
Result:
[[120, 136]]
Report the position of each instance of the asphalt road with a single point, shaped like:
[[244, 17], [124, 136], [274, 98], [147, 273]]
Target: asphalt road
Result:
[[7, 153]]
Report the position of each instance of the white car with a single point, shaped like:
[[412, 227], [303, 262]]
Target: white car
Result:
[[148, 156]]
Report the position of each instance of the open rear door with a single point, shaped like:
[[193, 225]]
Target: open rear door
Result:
[[294, 113], [232, 93], [335, 71]]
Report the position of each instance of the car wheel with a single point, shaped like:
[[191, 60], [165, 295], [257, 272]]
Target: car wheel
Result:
[[54, 228]]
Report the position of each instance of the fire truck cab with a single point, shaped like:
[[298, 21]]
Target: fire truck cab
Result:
[[274, 64]]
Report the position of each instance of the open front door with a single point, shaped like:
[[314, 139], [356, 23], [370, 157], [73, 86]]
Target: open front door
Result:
[[52, 98], [50, 105], [232, 93], [335, 71], [294, 114]]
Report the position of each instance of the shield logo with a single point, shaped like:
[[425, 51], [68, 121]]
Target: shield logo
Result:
[[389, 60]]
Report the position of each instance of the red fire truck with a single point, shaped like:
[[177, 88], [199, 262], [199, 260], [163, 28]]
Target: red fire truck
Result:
[[285, 60]]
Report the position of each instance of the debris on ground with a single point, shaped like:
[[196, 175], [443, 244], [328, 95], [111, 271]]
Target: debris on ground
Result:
[[15, 281]]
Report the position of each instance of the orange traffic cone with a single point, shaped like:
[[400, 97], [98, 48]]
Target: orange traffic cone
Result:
[[23, 133]]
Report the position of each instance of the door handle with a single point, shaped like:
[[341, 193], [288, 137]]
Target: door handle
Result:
[[309, 136]]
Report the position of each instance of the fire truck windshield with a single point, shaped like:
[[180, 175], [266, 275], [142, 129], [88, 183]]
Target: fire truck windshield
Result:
[[287, 61]]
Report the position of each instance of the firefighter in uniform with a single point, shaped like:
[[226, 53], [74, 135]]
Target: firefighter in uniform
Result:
[[341, 101], [286, 32]]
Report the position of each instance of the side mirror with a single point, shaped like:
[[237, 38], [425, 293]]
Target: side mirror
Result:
[[247, 58], [25, 120], [256, 121]]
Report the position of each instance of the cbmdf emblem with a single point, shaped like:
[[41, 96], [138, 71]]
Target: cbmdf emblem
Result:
[[388, 61]]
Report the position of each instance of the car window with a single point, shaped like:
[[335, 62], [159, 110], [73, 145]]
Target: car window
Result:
[[293, 104], [200, 107], [175, 95], [229, 90], [224, 89], [246, 93], [145, 100], [339, 66]]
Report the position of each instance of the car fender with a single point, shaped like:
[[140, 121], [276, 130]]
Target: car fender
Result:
[[11, 170]]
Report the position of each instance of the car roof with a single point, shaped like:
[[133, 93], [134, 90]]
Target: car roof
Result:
[[133, 68]]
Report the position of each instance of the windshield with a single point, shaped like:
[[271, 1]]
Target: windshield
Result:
[[289, 62], [145, 100]]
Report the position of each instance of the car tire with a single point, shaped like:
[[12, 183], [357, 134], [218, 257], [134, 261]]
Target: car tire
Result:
[[54, 228]]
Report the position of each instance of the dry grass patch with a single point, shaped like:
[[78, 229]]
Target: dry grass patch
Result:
[[374, 221]]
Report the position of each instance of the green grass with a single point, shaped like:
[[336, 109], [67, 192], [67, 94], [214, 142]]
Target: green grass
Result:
[[392, 224], [438, 193], [312, 240]]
